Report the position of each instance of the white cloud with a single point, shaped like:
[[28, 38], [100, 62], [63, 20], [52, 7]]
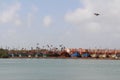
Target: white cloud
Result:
[[103, 29], [93, 27], [109, 14], [17, 22], [47, 21], [10, 15], [78, 16]]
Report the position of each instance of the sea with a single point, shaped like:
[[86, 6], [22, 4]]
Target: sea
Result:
[[59, 69]]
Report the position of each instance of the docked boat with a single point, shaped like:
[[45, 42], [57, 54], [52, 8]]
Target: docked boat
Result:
[[75, 54]]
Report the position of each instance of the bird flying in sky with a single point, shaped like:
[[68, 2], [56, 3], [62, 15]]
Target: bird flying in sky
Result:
[[96, 14]]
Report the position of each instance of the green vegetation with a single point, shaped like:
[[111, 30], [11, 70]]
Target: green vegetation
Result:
[[3, 53]]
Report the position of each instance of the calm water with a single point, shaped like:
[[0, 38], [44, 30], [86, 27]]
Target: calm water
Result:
[[59, 69]]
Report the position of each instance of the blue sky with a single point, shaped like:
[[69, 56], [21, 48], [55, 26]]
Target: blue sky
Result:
[[23, 23]]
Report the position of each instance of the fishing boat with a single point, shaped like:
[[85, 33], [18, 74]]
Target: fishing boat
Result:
[[112, 54], [75, 54], [102, 53], [85, 53], [93, 53]]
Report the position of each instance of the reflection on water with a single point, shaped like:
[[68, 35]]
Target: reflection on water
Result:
[[59, 69]]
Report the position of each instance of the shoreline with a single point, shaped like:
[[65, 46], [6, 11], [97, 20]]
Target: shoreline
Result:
[[64, 58]]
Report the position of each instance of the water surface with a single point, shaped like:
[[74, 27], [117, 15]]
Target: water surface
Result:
[[59, 69]]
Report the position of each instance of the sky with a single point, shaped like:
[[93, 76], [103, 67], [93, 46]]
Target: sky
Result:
[[24, 23]]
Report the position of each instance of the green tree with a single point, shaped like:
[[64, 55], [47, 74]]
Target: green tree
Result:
[[3, 53]]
